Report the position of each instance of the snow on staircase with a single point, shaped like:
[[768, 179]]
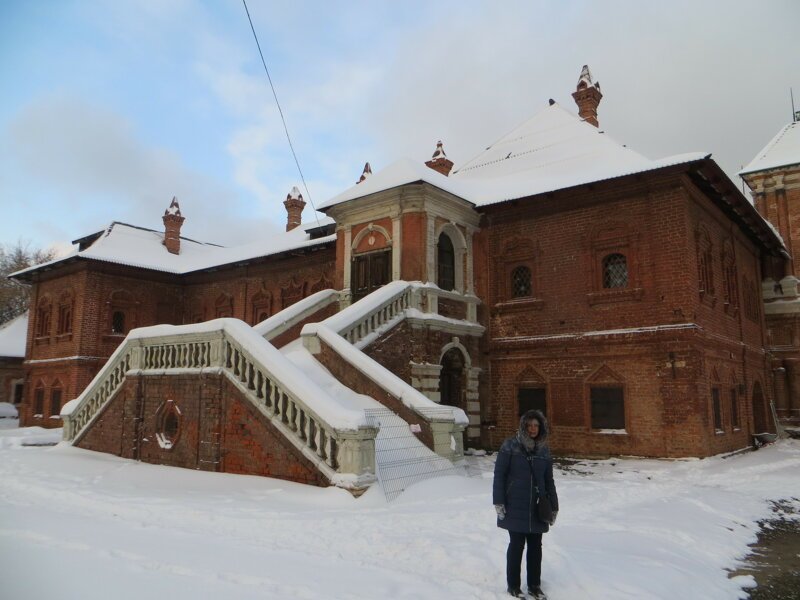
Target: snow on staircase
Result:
[[400, 457]]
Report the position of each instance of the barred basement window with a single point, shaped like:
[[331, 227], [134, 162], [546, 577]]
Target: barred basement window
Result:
[[521, 282], [615, 271]]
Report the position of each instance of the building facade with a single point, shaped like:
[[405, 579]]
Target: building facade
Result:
[[557, 270]]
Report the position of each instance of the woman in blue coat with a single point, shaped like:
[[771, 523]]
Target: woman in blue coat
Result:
[[522, 473]]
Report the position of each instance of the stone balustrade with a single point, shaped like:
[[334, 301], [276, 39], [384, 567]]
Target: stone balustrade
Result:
[[343, 451]]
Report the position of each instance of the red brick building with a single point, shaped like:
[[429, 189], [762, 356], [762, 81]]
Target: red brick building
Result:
[[774, 180], [557, 270]]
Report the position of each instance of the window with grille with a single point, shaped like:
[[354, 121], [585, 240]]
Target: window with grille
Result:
[[608, 407], [118, 322], [521, 282], [716, 407], [615, 271], [446, 276]]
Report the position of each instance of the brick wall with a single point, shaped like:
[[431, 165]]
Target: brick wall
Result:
[[219, 429], [654, 224]]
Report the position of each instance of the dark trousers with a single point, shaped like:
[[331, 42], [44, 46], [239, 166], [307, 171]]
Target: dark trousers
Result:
[[514, 559]]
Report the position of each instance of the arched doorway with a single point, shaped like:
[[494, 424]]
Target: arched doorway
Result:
[[760, 417], [451, 378]]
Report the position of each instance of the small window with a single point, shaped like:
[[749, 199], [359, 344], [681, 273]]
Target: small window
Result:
[[169, 425], [716, 407], [64, 319], [521, 282], [608, 407], [43, 319], [118, 322], [615, 271], [55, 402], [38, 400], [446, 277], [735, 409], [19, 389], [532, 398]]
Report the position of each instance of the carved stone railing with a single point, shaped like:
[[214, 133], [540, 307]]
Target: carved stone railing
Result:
[[338, 442], [353, 328], [395, 301], [295, 314]]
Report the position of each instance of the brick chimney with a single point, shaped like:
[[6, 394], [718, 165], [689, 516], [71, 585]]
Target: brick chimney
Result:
[[587, 96], [440, 162], [294, 204], [172, 227], [365, 173]]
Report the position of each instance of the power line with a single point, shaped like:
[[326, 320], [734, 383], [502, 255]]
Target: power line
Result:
[[280, 110]]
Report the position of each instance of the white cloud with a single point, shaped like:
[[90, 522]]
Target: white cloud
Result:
[[91, 160]]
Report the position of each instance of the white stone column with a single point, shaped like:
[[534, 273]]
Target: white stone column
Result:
[[348, 241], [396, 247], [470, 287], [430, 249], [473, 403]]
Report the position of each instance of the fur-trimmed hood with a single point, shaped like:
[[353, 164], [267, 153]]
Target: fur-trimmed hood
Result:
[[522, 433]]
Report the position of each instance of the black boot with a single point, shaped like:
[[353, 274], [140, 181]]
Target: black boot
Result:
[[537, 593], [516, 592]]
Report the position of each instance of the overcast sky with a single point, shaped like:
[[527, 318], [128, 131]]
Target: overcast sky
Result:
[[108, 108]]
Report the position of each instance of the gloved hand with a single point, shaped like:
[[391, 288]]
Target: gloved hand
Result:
[[500, 510], [555, 516]]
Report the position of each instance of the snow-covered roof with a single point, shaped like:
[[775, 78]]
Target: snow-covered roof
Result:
[[554, 150], [13, 336], [140, 247], [783, 150]]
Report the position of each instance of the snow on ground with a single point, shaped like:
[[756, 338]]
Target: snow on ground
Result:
[[79, 524]]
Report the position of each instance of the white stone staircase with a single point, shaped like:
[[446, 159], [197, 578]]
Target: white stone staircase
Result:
[[289, 388]]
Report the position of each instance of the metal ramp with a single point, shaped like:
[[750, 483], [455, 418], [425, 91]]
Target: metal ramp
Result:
[[401, 459]]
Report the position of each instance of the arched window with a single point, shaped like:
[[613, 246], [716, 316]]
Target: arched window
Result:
[[446, 254], [223, 307], [705, 268], [730, 286], [43, 312], [121, 313], [521, 282], [262, 307], [615, 271], [118, 321], [64, 314]]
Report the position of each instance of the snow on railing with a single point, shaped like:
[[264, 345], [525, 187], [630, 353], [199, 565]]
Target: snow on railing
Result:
[[381, 310], [375, 310], [337, 440], [294, 314]]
